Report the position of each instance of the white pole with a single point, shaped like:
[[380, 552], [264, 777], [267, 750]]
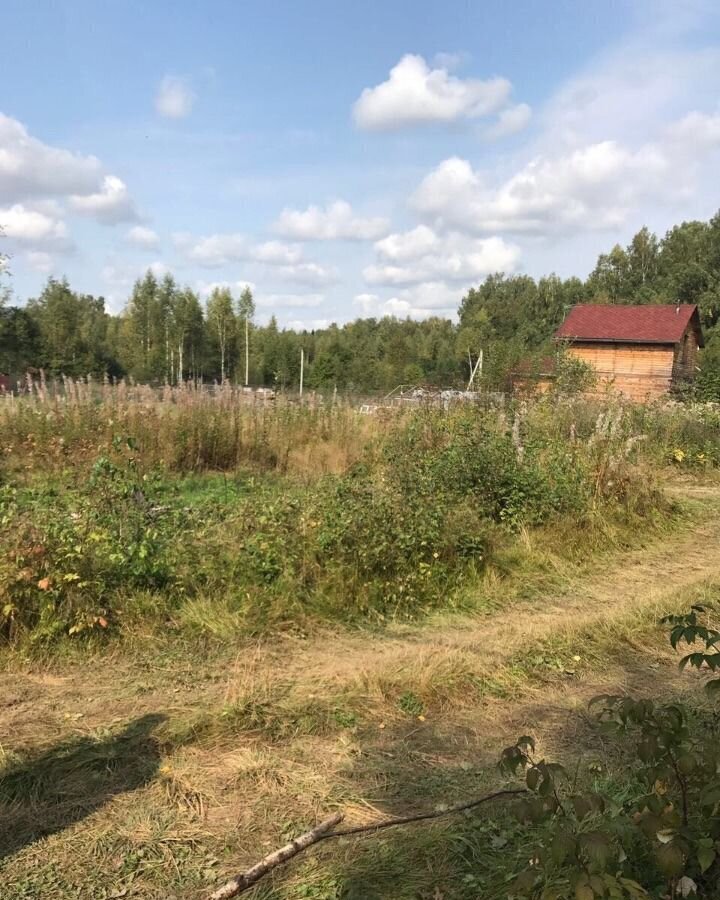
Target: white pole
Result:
[[247, 351], [302, 368], [478, 365]]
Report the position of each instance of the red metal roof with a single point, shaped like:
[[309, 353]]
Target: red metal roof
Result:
[[650, 324]]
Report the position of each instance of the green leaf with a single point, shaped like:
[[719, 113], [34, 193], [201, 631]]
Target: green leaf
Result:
[[706, 857]]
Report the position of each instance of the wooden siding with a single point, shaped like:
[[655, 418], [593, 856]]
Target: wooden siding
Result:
[[639, 371], [686, 357]]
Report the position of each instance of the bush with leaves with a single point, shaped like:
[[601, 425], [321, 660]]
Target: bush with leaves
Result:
[[66, 552], [664, 839]]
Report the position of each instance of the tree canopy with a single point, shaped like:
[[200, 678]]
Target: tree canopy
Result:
[[165, 333]]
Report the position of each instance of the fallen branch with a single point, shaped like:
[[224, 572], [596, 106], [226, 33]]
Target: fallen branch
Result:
[[246, 880], [243, 882], [421, 817]]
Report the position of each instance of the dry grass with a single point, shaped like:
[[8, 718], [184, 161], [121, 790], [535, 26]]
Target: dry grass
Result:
[[183, 429], [258, 740]]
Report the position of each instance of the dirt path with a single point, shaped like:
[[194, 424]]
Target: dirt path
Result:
[[105, 690], [324, 725]]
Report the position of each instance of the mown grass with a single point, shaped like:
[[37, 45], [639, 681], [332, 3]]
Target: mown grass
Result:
[[211, 788], [255, 629]]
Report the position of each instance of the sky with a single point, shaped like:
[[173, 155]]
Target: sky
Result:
[[348, 159]]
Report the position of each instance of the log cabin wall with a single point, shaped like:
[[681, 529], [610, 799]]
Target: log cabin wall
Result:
[[639, 371], [686, 357]]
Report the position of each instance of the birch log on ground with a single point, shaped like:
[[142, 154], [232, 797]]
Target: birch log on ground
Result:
[[246, 880], [243, 882]]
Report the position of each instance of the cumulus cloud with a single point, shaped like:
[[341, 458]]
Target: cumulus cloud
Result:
[[369, 303], [509, 121], [142, 237], [308, 324], [415, 94], [205, 288], [29, 168], [40, 261], [276, 253], [109, 205], [422, 255], [43, 177], [420, 301], [595, 186], [175, 98], [336, 221], [33, 228], [289, 301], [284, 260], [696, 128], [217, 250], [309, 273]]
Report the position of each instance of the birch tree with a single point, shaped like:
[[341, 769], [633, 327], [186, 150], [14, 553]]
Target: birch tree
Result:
[[246, 311], [221, 322]]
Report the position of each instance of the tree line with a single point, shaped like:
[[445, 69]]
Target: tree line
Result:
[[166, 334]]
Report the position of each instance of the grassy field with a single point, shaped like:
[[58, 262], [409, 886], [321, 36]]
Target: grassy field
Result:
[[325, 612]]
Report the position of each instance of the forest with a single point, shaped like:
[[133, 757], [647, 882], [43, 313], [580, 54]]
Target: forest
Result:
[[166, 334]]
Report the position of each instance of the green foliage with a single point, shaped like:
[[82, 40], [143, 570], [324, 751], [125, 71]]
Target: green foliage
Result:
[[68, 552], [688, 629], [663, 838], [402, 526], [573, 376], [163, 334]]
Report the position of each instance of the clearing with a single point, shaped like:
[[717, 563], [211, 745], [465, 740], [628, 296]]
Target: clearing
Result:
[[155, 772]]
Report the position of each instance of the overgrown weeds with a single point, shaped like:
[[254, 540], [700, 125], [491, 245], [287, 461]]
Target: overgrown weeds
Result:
[[100, 536]]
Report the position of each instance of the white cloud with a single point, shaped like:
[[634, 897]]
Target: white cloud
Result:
[[309, 273], [696, 128], [334, 222], [159, 268], [422, 255], [594, 186], [308, 324], [33, 228], [421, 301], [415, 94], [110, 205], [120, 275], [44, 177], [509, 121], [368, 303], [143, 237], [29, 168], [272, 301], [40, 261], [284, 261], [276, 253], [175, 98], [205, 288], [406, 245], [221, 249]]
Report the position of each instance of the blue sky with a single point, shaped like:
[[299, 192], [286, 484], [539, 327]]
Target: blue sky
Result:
[[348, 159]]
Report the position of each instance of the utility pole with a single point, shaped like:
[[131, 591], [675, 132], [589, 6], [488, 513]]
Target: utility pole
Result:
[[302, 368], [477, 368], [247, 350]]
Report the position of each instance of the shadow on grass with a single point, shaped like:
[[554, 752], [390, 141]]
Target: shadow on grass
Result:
[[44, 794], [473, 856]]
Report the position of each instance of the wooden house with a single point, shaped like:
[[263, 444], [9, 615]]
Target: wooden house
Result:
[[644, 352]]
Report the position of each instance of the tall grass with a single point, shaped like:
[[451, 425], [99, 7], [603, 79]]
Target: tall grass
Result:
[[184, 429], [315, 511]]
